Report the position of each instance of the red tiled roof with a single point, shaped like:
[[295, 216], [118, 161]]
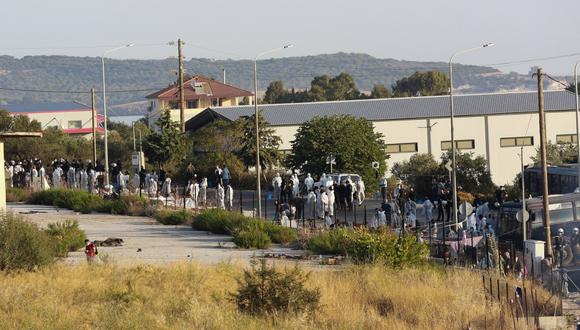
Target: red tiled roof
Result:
[[213, 89], [82, 130]]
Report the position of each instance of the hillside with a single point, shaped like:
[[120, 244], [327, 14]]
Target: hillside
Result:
[[58, 73]]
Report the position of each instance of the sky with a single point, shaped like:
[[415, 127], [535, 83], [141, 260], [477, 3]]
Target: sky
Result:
[[423, 30]]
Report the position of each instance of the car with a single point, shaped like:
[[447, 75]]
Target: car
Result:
[[339, 177]]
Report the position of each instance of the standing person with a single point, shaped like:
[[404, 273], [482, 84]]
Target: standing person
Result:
[[152, 188], [360, 191], [317, 191], [70, 177], [309, 183], [162, 175], [56, 174], [218, 175], [220, 196], [166, 188], [428, 209], [42, 178], [226, 176], [136, 182], [203, 192], [84, 180], [348, 193], [142, 178], [331, 201], [229, 197], [323, 203], [328, 220], [92, 174], [384, 194], [277, 185], [194, 193], [311, 200], [90, 251]]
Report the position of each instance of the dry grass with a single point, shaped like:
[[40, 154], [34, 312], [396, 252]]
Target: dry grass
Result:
[[197, 296]]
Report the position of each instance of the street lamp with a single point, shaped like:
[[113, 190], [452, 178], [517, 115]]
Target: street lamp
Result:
[[577, 115], [452, 109], [105, 109], [258, 188]]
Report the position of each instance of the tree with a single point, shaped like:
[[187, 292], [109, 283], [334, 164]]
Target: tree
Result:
[[342, 87], [275, 93], [380, 92], [167, 145], [418, 171], [352, 141], [472, 173], [557, 154], [269, 143], [422, 83], [319, 87]]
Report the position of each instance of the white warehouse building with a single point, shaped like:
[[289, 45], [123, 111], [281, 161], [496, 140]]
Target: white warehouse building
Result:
[[494, 126]]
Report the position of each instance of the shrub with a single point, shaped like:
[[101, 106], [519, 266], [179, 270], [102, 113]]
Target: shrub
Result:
[[281, 235], [252, 239], [66, 237], [23, 246], [328, 242], [264, 290], [169, 217], [363, 246], [16, 195], [219, 221]]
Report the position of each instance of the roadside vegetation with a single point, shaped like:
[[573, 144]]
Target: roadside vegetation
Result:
[[195, 296], [248, 233], [25, 246]]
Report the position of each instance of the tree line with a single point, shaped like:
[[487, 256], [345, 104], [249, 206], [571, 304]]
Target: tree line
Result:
[[343, 87]]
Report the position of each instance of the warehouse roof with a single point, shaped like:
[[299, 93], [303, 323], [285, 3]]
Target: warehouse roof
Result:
[[395, 108]]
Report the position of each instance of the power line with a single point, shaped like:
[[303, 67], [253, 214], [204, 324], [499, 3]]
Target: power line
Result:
[[77, 92], [533, 59]]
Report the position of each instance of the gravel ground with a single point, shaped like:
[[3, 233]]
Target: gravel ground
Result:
[[156, 243]]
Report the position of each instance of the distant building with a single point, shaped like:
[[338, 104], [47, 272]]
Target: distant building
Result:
[[199, 93], [71, 118], [493, 126]]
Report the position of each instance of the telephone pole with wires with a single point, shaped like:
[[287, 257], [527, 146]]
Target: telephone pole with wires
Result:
[[181, 96], [546, 202]]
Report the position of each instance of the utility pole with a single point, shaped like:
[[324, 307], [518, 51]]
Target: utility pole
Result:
[[181, 96], [94, 120], [524, 230], [544, 165], [224, 74]]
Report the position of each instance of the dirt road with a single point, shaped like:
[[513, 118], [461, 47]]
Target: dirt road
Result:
[[146, 241]]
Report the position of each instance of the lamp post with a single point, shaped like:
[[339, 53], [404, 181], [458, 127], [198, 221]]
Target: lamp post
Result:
[[452, 109], [258, 188], [105, 109], [577, 118]]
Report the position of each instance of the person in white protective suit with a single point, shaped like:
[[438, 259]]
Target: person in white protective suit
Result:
[[136, 182], [322, 181], [70, 177], [375, 219], [295, 186], [84, 180], [277, 185], [309, 182], [324, 204], [329, 182], [166, 188], [319, 209], [360, 191], [331, 200], [328, 220], [43, 179], [220, 196], [34, 179], [428, 209], [382, 218], [92, 180], [56, 176], [229, 197], [152, 188], [203, 192], [194, 193], [9, 174]]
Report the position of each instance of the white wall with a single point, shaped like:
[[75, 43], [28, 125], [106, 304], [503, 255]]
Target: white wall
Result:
[[504, 161]]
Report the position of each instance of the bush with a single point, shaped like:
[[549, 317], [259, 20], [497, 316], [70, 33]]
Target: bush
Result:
[[281, 235], [363, 246], [16, 195], [169, 217], [328, 242], [264, 290], [249, 232], [252, 239], [66, 237], [23, 246]]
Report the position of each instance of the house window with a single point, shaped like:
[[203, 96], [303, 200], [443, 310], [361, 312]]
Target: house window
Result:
[[401, 148], [517, 141], [75, 124], [459, 144], [566, 138], [173, 105], [215, 102], [192, 104]]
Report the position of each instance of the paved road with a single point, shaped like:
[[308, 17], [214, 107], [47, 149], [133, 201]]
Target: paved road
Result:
[[158, 243]]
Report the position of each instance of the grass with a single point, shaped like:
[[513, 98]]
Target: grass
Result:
[[16, 195], [193, 296], [171, 217]]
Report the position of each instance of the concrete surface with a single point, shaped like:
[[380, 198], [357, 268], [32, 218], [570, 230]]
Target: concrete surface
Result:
[[158, 243]]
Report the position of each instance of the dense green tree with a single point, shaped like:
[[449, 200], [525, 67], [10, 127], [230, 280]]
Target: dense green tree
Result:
[[17, 123], [418, 171], [352, 141], [380, 92], [167, 145], [275, 93], [557, 154], [422, 83], [319, 88], [342, 87], [472, 173], [269, 142]]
